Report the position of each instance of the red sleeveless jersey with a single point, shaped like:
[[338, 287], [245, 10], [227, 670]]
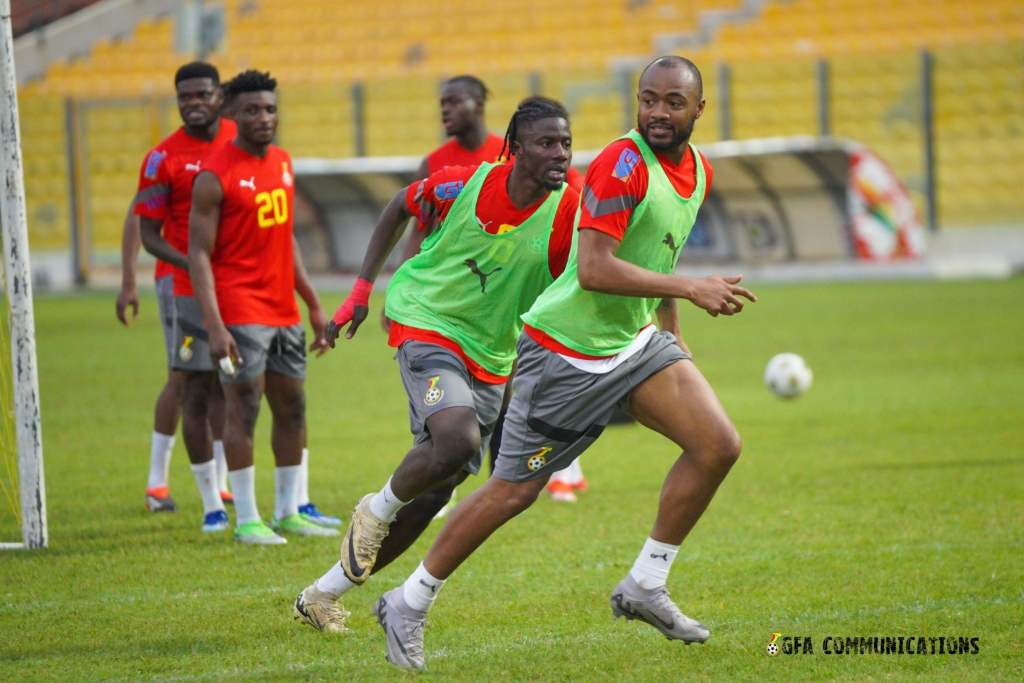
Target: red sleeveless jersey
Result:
[[165, 190], [253, 262]]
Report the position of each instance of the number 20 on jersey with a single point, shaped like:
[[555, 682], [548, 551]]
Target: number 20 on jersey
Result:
[[272, 208]]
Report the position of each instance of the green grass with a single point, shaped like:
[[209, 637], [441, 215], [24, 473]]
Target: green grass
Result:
[[887, 501]]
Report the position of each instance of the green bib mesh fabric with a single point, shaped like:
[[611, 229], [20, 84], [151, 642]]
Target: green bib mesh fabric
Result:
[[599, 324], [471, 286]]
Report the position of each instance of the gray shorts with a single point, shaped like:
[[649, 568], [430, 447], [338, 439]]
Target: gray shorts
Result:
[[436, 378], [191, 342], [165, 304], [558, 410], [265, 348]]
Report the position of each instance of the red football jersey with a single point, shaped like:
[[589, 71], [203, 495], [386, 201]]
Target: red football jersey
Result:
[[616, 182], [165, 190], [253, 263], [452, 153], [495, 212]]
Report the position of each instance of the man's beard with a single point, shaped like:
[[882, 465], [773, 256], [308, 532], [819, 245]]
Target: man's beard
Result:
[[679, 137]]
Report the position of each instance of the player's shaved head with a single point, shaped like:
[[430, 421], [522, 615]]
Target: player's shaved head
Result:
[[462, 104], [473, 86], [676, 62]]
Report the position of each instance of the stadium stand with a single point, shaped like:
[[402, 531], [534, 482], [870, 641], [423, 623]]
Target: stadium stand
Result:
[[387, 58]]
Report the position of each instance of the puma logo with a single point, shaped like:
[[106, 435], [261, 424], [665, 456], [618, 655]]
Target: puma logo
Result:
[[481, 224], [671, 242], [194, 167], [250, 183], [471, 264], [433, 589], [664, 557]]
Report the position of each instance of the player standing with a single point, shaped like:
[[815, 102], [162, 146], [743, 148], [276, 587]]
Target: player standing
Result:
[[244, 272], [162, 206], [588, 346], [504, 236]]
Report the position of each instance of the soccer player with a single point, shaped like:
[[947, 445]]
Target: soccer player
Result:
[[587, 346], [504, 236], [244, 272], [159, 217]]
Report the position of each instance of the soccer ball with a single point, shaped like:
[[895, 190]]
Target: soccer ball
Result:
[[772, 649], [787, 375]]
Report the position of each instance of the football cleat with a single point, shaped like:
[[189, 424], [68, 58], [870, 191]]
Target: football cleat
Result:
[[653, 606], [561, 491], [580, 484], [403, 629], [216, 521], [300, 526], [311, 514], [258, 533], [159, 500], [362, 542], [227, 498], [320, 610]]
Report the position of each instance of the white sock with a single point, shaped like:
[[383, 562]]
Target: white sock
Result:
[[304, 479], [651, 568], [334, 582], [575, 472], [286, 481], [421, 588], [563, 476], [385, 505], [243, 486], [159, 459], [222, 465], [206, 479]]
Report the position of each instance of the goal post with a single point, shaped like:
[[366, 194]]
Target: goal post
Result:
[[18, 286]]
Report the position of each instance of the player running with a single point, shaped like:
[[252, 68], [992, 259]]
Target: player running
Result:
[[162, 205], [587, 346], [504, 237], [244, 272]]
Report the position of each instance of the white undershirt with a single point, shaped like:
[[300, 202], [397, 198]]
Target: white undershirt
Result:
[[606, 365]]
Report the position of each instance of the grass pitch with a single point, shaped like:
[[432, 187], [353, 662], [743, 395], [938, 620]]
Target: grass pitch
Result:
[[885, 502]]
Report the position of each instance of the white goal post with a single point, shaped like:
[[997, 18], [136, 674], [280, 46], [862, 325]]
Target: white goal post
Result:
[[19, 295]]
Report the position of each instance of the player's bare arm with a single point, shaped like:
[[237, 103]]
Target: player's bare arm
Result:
[[668, 320], [203, 221], [317, 315], [600, 270], [414, 243], [129, 295], [157, 245], [385, 237]]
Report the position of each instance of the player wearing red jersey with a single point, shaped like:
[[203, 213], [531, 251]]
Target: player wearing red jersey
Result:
[[245, 272], [159, 217], [505, 234]]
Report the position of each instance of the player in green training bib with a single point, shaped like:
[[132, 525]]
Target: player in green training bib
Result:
[[504, 235], [588, 346]]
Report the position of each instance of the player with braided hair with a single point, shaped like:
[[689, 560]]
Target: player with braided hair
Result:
[[504, 235]]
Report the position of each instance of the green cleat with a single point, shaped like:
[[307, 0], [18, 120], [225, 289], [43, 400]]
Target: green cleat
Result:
[[257, 533], [298, 524]]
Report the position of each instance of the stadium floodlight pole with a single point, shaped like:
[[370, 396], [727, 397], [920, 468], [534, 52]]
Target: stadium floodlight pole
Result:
[[19, 296]]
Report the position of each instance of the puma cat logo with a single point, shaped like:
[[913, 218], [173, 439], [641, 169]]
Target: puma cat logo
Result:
[[250, 183], [671, 242], [471, 264], [194, 167]]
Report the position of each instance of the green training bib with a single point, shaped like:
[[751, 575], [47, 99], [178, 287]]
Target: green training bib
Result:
[[472, 286], [598, 324]]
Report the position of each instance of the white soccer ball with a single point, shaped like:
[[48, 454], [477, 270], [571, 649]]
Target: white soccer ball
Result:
[[787, 375]]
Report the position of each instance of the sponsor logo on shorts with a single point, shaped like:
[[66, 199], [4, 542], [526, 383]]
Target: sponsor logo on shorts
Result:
[[434, 392], [537, 461], [185, 352]]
